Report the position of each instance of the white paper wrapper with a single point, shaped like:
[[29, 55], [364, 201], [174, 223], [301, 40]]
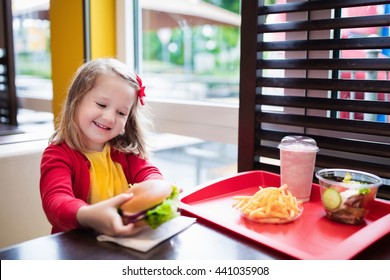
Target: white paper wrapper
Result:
[[149, 238]]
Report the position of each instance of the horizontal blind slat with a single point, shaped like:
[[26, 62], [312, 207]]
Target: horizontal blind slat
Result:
[[380, 170], [326, 24], [326, 44], [381, 150], [316, 5], [365, 127], [374, 107], [326, 64], [326, 84]]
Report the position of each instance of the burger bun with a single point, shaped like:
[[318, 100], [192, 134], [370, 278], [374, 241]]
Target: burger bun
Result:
[[146, 195]]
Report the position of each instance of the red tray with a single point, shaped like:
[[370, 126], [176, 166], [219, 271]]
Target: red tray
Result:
[[312, 236]]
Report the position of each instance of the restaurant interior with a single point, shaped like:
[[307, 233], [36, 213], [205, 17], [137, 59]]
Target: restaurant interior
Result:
[[225, 82]]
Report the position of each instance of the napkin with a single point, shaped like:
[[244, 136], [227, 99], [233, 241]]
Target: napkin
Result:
[[149, 238]]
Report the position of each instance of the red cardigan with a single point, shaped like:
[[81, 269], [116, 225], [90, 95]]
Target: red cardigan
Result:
[[65, 181]]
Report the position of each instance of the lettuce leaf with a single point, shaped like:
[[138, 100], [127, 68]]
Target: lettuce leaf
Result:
[[165, 211]]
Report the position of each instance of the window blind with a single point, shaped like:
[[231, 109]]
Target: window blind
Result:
[[321, 69]]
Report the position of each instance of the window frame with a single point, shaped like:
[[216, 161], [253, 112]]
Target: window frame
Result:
[[8, 99]]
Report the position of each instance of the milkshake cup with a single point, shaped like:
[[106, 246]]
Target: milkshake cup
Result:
[[297, 162]]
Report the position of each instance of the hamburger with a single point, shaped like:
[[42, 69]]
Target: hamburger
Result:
[[151, 205]]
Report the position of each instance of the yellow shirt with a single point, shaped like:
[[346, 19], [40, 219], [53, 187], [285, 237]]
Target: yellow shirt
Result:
[[107, 177]]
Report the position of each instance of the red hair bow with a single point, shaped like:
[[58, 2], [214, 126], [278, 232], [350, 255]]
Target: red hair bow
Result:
[[141, 91]]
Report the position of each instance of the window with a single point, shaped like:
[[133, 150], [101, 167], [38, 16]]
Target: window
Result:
[[318, 68], [190, 50], [188, 54], [31, 32], [25, 71]]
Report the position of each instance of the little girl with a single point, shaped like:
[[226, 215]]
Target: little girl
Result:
[[98, 149]]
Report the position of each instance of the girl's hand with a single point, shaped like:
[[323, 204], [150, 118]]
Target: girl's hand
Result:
[[104, 217]]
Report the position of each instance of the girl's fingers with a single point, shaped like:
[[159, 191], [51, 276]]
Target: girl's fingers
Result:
[[120, 199]]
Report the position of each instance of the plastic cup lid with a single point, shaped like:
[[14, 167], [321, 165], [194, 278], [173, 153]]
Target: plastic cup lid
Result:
[[297, 142]]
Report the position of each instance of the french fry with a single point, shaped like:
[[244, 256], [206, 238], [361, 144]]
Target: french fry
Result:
[[269, 205]]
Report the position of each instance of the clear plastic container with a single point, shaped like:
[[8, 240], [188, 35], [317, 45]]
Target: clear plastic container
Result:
[[347, 195]]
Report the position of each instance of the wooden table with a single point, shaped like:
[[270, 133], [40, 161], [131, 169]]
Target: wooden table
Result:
[[201, 241]]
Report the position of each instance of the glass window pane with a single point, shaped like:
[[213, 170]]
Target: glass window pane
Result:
[[31, 29], [188, 161], [191, 49]]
